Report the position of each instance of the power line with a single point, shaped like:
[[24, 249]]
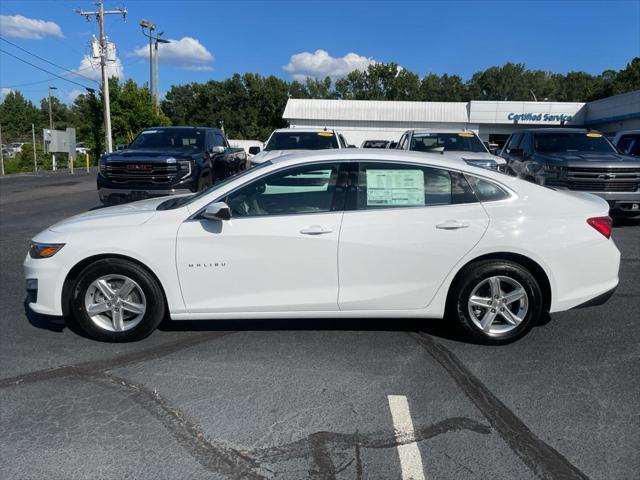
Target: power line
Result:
[[47, 71], [45, 60]]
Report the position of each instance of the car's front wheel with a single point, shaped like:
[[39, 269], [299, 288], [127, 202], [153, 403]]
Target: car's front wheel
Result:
[[496, 301], [116, 300]]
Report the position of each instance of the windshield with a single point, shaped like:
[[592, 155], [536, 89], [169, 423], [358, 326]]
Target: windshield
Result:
[[375, 144], [186, 200], [302, 141], [572, 142], [170, 138], [452, 142]]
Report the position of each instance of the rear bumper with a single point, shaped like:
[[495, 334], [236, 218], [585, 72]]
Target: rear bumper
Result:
[[117, 195], [599, 300]]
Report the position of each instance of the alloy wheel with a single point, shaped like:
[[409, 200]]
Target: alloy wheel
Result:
[[115, 303], [498, 304]]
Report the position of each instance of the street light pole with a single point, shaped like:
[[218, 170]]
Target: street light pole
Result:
[[151, 27], [53, 155], [156, 83]]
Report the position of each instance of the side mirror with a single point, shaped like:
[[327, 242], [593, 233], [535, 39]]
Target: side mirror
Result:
[[218, 149], [254, 150], [217, 211], [120, 146]]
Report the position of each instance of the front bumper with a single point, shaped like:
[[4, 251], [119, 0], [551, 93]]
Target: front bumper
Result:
[[118, 195]]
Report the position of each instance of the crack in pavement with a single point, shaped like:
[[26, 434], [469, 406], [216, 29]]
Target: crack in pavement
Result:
[[320, 447], [543, 460], [96, 366]]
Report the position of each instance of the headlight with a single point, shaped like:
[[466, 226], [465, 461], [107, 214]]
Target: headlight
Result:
[[102, 164], [44, 250]]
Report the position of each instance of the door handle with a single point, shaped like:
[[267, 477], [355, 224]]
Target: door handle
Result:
[[452, 225], [316, 230]]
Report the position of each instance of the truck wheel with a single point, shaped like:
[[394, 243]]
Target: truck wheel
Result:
[[115, 300], [496, 301]]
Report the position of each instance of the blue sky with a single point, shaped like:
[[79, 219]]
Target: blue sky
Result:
[[213, 40]]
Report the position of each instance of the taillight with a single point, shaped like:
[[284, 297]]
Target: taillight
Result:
[[602, 224]]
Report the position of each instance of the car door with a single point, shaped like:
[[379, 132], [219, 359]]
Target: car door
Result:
[[410, 226], [277, 253]]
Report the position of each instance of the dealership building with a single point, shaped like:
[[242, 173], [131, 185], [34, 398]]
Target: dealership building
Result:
[[494, 121]]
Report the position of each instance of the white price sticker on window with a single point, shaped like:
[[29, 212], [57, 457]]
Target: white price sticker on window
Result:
[[395, 188]]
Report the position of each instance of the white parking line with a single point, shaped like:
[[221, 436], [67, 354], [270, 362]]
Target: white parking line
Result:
[[410, 459]]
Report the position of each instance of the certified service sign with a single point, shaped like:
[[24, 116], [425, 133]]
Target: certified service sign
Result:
[[539, 117]]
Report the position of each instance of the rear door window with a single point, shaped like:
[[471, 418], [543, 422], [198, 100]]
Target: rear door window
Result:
[[395, 185]]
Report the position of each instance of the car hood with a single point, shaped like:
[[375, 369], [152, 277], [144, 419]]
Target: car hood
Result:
[[149, 154], [590, 159], [126, 215]]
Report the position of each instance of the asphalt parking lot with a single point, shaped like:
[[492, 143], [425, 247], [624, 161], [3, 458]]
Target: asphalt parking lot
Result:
[[294, 399]]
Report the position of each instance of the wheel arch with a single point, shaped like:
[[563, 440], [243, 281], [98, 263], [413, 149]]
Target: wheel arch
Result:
[[74, 273], [531, 265]]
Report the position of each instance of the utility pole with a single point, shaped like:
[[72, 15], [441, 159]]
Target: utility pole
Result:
[[35, 158], [153, 84], [53, 155], [103, 63], [2, 154]]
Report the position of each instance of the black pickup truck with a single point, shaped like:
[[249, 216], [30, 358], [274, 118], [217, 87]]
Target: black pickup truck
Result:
[[576, 159], [167, 161]]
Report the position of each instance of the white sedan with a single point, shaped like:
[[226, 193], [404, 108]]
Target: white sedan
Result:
[[336, 233]]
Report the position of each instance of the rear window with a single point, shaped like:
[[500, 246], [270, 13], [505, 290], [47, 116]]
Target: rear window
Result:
[[485, 190], [302, 141]]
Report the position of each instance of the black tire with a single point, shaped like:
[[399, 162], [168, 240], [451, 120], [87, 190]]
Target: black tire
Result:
[[471, 277], [154, 296]]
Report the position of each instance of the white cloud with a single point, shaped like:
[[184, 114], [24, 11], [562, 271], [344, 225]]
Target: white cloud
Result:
[[187, 53], [4, 91], [17, 26], [73, 94], [320, 64], [91, 68]]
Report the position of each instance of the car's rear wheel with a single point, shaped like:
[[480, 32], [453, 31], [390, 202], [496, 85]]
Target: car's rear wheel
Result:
[[116, 300], [496, 301]]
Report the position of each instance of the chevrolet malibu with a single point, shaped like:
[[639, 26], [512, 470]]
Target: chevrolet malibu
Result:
[[339, 233]]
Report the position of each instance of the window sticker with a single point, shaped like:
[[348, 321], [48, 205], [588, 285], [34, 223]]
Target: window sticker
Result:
[[325, 134], [395, 188], [594, 135], [466, 134]]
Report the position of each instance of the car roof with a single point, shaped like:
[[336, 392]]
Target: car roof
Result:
[[346, 154], [555, 130], [176, 127], [305, 129], [440, 130]]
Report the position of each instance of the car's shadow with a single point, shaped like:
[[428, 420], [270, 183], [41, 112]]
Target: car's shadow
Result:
[[441, 328]]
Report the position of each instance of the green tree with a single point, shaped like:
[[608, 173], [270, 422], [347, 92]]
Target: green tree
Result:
[[16, 116]]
